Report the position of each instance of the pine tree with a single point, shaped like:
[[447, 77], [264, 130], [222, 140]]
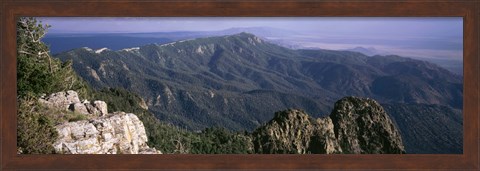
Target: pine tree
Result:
[[37, 72]]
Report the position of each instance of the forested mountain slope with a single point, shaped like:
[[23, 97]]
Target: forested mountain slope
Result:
[[239, 81]]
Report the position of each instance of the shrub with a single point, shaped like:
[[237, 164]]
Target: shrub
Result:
[[35, 129], [39, 73]]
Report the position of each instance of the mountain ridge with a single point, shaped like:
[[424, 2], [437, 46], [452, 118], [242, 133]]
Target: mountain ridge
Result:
[[239, 81]]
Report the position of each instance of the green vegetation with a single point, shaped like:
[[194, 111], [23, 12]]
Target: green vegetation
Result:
[[171, 139], [35, 129], [216, 104], [35, 126], [218, 140], [38, 73]]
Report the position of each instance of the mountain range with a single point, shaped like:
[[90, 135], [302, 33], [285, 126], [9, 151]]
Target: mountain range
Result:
[[239, 81], [60, 42], [454, 66]]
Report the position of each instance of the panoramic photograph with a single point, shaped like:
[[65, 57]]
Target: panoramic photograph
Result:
[[240, 85]]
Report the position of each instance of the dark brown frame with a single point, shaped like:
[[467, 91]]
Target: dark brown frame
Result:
[[468, 9]]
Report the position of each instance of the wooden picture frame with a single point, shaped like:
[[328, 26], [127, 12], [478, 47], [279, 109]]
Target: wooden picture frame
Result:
[[10, 11]]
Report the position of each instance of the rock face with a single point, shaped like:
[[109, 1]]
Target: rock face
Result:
[[118, 133], [363, 126], [69, 101], [294, 132], [105, 133], [356, 125], [61, 100]]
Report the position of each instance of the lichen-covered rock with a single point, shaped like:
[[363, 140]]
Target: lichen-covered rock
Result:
[[118, 133], [79, 108], [362, 126], [69, 101], [101, 106], [288, 132], [356, 126], [323, 140], [91, 109], [61, 100], [103, 133], [295, 132]]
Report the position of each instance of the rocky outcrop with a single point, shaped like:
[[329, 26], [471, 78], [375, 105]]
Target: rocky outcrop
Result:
[[362, 126], [103, 133], [117, 133], [69, 101], [61, 100], [356, 125], [295, 132]]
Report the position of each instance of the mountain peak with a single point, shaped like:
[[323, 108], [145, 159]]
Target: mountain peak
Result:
[[247, 34], [251, 38]]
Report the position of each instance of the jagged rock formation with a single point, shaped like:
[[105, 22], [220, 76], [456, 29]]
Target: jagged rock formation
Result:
[[103, 133], [363, 126], [295, 132], [356, 125]]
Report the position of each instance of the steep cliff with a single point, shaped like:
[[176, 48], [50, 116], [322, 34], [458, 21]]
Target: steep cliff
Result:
[[99, 132], [356, 125], [363, 126], [295, 132]]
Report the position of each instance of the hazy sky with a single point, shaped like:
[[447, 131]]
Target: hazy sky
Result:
[[427, 36], [426, 26]]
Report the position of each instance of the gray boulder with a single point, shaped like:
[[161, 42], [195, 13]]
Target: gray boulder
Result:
[[79, 108], [101, 106], [69, 100], [61, 100]]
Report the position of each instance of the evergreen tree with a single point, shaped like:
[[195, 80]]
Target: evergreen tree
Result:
[[37, 72]]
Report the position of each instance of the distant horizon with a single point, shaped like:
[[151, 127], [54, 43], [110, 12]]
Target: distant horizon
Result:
[[426, 37], [408, 25]]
